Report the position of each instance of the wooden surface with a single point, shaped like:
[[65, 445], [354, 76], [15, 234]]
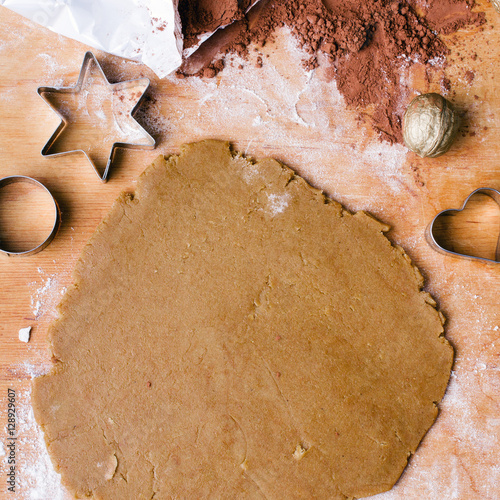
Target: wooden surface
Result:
[[300, 118]]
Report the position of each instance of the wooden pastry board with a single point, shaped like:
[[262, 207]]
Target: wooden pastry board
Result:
[[300, 118]]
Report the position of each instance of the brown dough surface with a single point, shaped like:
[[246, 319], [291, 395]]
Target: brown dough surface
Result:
[[232, 333]]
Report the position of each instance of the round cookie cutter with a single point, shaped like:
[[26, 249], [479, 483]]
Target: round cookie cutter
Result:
[[57, 215]]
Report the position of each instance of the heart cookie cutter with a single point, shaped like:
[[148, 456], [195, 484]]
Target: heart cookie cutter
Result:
[[57, 216], [431, 237]]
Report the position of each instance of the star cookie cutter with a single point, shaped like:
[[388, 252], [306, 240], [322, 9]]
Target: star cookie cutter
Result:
[[57, 216], [133, 90], [431, 237]]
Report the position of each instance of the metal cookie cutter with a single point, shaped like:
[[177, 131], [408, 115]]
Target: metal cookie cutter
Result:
[[57, 215], [135, 89], [430, 235]]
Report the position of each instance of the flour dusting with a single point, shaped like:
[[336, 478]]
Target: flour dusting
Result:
[[45, 296], [277, 203], [36, 477]]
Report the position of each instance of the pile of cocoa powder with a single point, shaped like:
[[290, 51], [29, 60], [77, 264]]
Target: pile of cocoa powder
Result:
[[204, 16], [366, 43]]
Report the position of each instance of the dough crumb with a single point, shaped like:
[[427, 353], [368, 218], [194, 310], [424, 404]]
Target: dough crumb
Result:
[[111, 468], [25, 334], [299, 452]]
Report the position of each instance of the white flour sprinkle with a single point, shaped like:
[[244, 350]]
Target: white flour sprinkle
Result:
[[277, 203], [33, 368], [37, 477], [46, 297], [36, 300], [51, 64]]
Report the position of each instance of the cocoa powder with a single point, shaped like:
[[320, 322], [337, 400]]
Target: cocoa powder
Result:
[[448, 16], [367, 43], [200, 17]]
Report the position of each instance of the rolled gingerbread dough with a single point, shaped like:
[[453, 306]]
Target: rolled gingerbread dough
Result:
[[232, 333]]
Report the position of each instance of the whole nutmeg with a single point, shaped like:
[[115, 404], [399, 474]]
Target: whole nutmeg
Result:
[[430, 125], [496, 4]]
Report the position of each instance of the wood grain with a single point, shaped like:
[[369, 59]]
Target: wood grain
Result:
[[300, 119], [23, 228]]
